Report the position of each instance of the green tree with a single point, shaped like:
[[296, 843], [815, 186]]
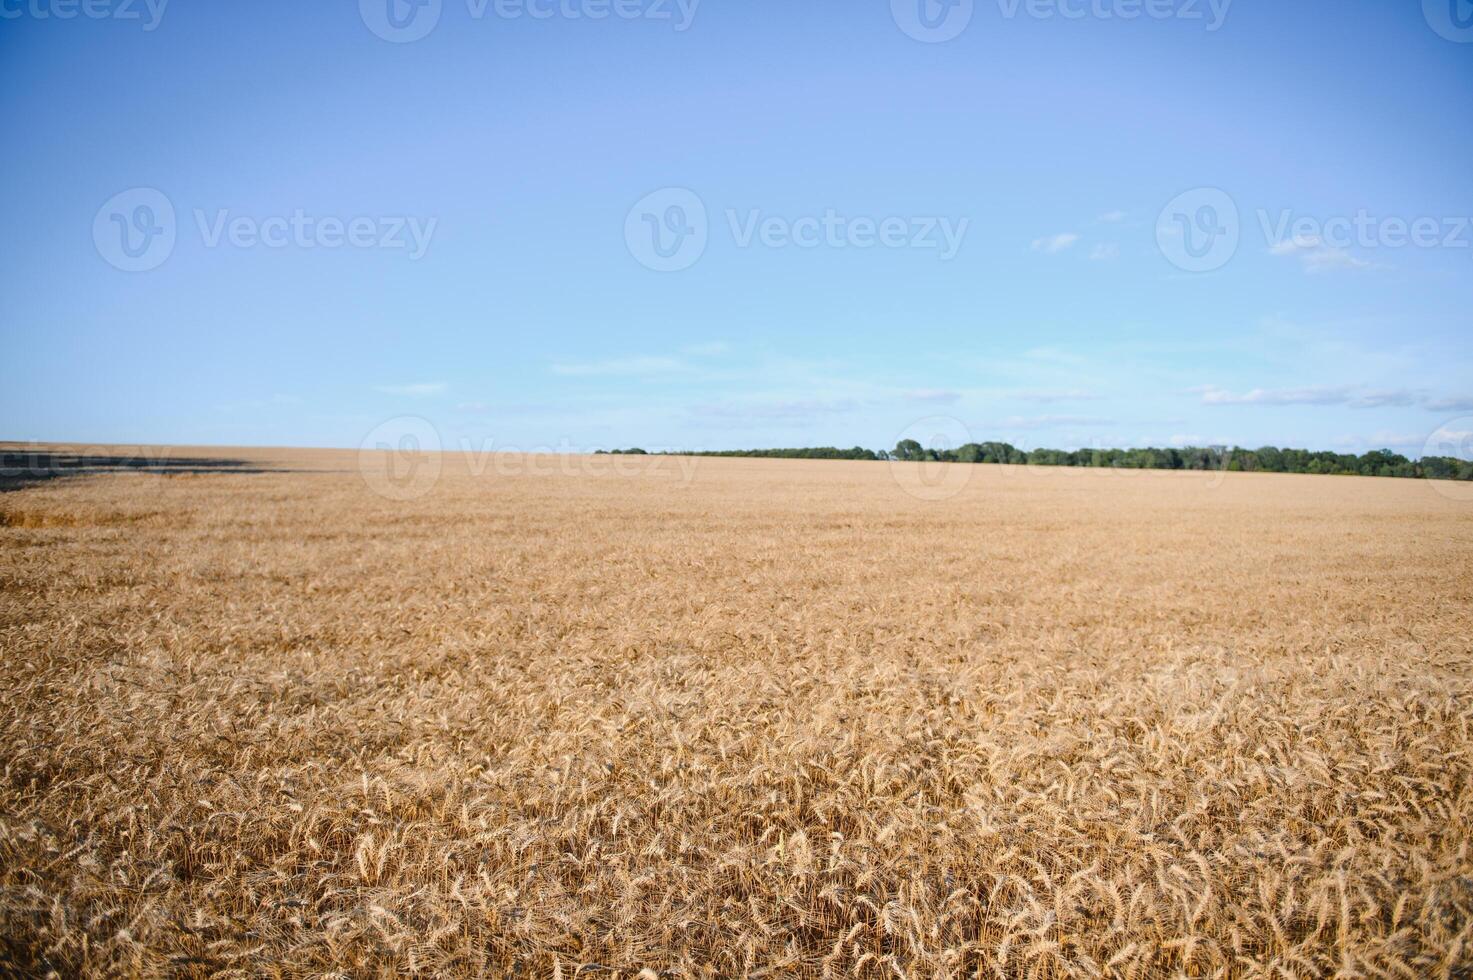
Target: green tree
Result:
[[909, 450]]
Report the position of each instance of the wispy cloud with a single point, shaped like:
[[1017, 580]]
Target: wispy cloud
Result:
[[1450, 405], [479, 408], [1387, 398], [774, 409], [1315, 256], [258, 404], [1104, 252], [1451, 440], [620, 367], [1293, 246], [1331, 260], [712, 348], [1054, 244], [1349, 395], [938, 396], [1046, 395], [1055, 355], [1049, 421], [1212, 395], [421, 390], [1113, 217], [1412, 443]]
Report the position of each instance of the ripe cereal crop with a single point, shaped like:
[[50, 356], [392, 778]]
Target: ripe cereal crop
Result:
[[672, 717]]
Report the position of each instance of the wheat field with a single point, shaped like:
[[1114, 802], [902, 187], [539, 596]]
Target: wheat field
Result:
[[612, 717]]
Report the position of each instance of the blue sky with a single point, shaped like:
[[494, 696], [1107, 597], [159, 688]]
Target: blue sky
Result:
[[458, 227]]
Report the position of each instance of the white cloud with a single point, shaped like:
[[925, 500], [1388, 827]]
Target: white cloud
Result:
[[1055, 355], [1054, 395], [1113, 217], [480, 408], [1212, 395], [933, 395], [622, 366], [257, 404], [1387, 398], [1105, 251], [1054, 244], [1450, 440], [1293, 246], [1348, 395], [1384, 439], [1450, 405], [1046, 421], [710, 349], [774, 409], [421, 390], [1331, 259], [1315, 256]]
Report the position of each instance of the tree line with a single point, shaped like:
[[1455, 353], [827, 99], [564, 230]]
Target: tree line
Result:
[[1266, 459]]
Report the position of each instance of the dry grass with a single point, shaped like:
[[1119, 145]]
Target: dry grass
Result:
[[778, 719]]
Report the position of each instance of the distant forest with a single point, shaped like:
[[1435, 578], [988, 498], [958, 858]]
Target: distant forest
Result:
[[1268, 459]]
